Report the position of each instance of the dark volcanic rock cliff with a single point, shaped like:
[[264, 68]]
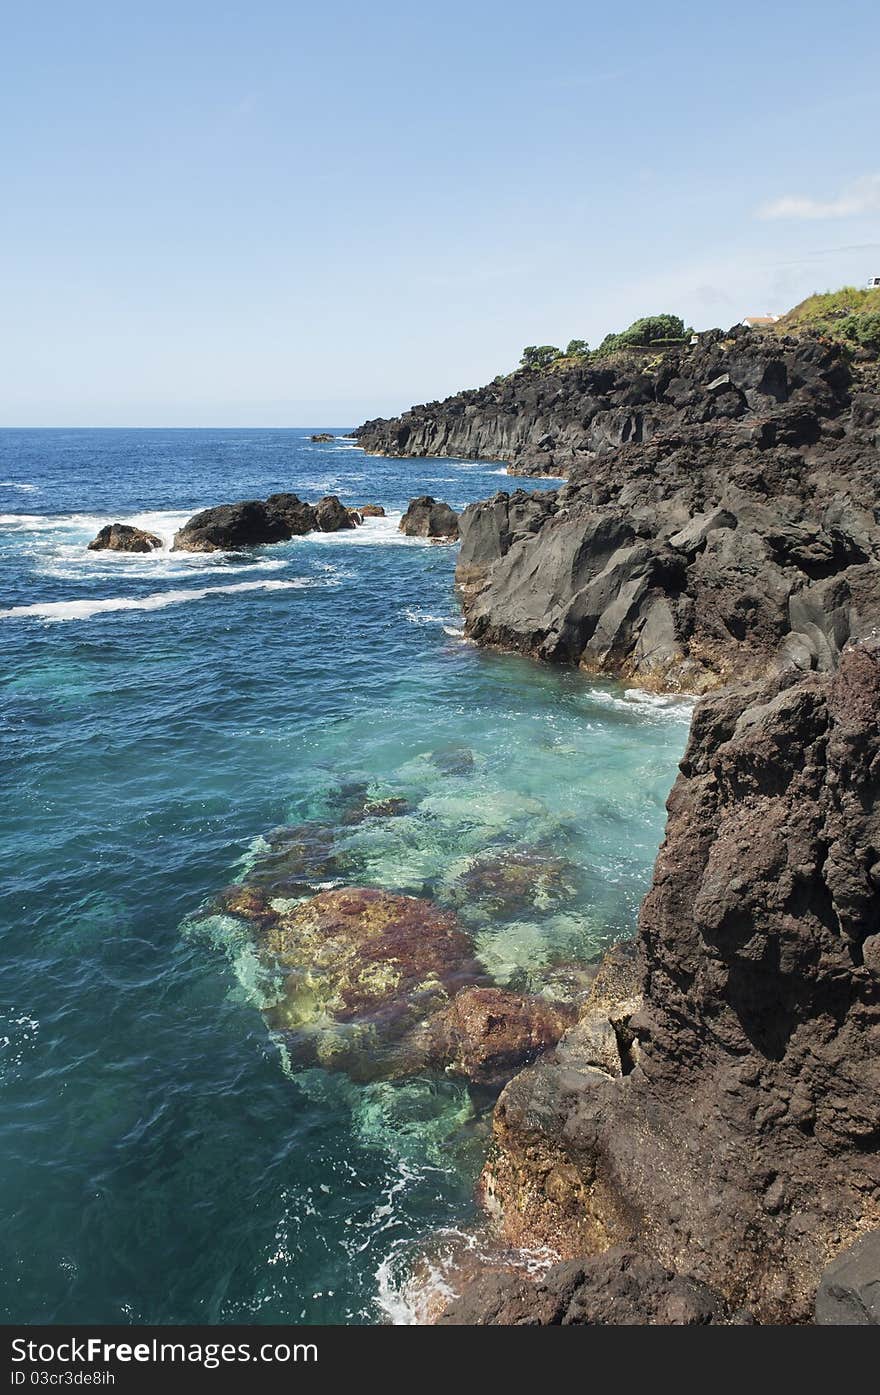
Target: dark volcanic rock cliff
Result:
[[734, 1134], [548, 423], [730, 546], [714, 1115]]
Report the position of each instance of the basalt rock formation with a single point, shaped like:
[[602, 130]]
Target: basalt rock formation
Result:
[[122, 537], [714, 1110], [430, 518], [733, 546], [257, 521], [716, 1107], [549, 423]]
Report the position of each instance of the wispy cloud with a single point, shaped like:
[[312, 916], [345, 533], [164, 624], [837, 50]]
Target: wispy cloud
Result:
[[856, 199]]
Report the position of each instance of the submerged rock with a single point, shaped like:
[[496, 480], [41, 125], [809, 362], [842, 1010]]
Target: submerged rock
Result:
[[374, 983], [486, 1033], [122, 537], [453, 758], [506, 882], [359, 969], [427, 517]]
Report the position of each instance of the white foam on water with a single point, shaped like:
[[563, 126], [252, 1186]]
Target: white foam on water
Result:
[[86, 609], [676, 707], [18, 1036], [413, 1288], [25, 488], [373, 532], [163, 522], [423, 617]]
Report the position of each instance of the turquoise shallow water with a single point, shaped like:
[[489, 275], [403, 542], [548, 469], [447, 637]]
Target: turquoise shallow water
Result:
[[159, 715]]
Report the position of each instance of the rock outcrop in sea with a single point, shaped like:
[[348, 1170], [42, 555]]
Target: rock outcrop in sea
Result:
[[257, 521], [427, 517], [122, 537]]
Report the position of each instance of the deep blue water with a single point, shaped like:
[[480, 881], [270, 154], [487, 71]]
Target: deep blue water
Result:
[[159, 714]]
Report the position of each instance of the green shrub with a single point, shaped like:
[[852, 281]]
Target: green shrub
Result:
[[577, 348], [663, 330], [539, 355], [861, 329]]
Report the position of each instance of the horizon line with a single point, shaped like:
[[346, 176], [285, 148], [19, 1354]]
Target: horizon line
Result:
[[308, 426]]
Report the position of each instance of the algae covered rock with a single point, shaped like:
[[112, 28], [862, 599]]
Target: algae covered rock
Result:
[[509, 881], [358, 969], [486, 1032]]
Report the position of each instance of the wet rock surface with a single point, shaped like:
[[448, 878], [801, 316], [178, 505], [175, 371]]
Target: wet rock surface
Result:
[[507, 882], [254, 522], [427, 517], [486, 1033], [374, 983], [736, 1134], [359, 971], [619, 1288], [122, 537]]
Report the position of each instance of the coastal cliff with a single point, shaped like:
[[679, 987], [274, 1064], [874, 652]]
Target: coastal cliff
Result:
[[728, 547], [710, 1124], [544, 422], [716, 1106]]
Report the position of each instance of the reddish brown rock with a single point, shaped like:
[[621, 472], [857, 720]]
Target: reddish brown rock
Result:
[[740, 1140], [248, 903], [620, 1288], [486, 1033], [361, 969]]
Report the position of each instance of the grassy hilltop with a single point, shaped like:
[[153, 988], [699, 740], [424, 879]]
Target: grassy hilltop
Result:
[[849, 315]]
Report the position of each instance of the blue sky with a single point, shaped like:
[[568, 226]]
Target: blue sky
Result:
[[301, 214]]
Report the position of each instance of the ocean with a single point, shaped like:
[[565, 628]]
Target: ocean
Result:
[[163, 1161]]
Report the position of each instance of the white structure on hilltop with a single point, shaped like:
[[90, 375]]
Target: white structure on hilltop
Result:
[[760, 321], [874, 283]]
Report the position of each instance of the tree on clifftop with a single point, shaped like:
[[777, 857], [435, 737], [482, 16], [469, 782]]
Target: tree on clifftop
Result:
[[539, 355], [652, 329], [577, 348]]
